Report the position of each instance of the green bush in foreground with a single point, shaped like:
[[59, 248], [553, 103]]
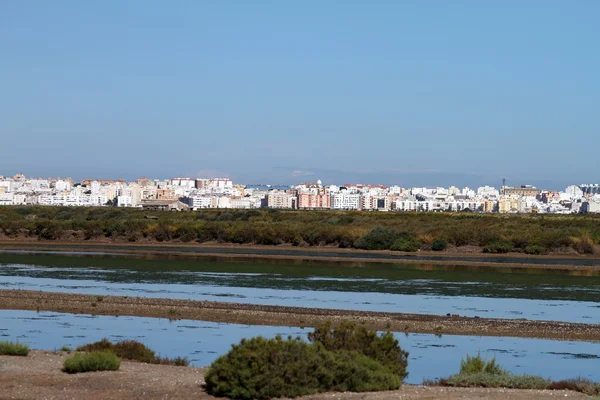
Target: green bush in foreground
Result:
[[134, 351], [348, 336], [260, 368], [94, 361], [13, 349]]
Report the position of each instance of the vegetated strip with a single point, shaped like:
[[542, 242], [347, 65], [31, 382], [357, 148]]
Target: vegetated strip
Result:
[[242, 252], [251, 314]]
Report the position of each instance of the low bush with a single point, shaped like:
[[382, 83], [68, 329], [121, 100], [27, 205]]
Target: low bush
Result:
[[94, 361], [134, 351], [477, 364], [439, 245], [261, 368], [581, 385], [477, 372], [348, 336], [378, 239], [499, 247], [13, 349], [406, 244], [510, 381], [583, 245], [536, 249]]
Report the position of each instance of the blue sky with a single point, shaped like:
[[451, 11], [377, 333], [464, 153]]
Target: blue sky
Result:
[[407, 92]]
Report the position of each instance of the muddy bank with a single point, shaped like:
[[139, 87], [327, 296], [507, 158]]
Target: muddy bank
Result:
[[292, 316], [325, 254], [39, 376]]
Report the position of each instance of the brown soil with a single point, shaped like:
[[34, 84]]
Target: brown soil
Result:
[[470, 255], [292, 316], [39, 376]]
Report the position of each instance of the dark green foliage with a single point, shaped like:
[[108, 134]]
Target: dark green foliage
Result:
[[406, 243], [499, 246], [94, 361], [378, 239], [348, 336], [439, 245], [261, 368], [13, 349], [535, 249], [132, 350], [369, 231]]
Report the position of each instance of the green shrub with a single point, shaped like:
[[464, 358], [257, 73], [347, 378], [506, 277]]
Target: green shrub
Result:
[[477, 372], [536, 249], [132, 350], [406, 244], [260, 368], [348, 336], [13, 349], [499, 246], [94, 361], [378, 239], [510, 381], [439, 245], [476, 364]]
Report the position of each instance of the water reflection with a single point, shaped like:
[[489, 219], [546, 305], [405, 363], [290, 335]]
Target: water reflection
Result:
[[392, 289]]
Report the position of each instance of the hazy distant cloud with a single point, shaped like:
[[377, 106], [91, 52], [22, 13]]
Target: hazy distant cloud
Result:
[[298, 172]]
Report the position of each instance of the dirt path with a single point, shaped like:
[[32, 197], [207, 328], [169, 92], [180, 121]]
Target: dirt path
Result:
[[291, 316], [39, 376]]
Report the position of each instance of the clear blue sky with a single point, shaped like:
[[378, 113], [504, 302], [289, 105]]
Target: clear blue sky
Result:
[[431, 92]]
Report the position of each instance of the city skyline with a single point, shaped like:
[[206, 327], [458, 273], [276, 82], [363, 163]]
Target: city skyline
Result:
[[185, 193]]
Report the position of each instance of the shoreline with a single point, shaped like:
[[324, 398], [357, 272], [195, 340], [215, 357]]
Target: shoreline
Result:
[[249, 314], [330, 254], [39, 375]]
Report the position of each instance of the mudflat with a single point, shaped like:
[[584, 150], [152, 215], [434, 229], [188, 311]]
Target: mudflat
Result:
[[252, 314], [39, 376]]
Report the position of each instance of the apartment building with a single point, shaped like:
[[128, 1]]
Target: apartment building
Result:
[[313, 201], [345, 201], [276, 199]]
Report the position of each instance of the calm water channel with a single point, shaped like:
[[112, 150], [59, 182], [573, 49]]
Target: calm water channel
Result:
[[430, 356], [419, 288]]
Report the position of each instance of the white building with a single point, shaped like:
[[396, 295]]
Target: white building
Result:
[[488, 192], [574, 192], [62, 186], [85, 200], [125, 201], [345, 201], [197, 202]]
